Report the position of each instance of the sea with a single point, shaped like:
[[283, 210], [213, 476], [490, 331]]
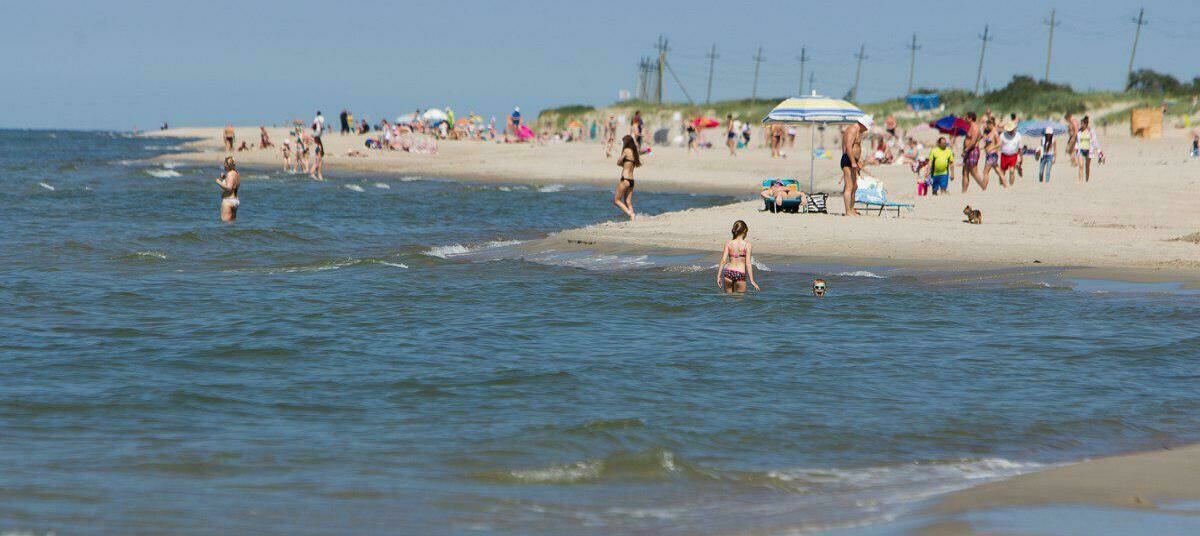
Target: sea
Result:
[[387, 354]]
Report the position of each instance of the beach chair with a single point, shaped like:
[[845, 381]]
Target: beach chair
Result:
[[816, 202], [872, 197]]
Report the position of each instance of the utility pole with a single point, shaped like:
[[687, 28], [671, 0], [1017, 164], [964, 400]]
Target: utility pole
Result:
[[803, 59], [662, 60], [1052, 23], [758, 59], [982, 50], [858, 71], [912, 62], [1141, 21], [643, 79], [712, 60]]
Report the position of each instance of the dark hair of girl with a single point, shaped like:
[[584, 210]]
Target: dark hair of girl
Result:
[[739, 229], [628, 143]]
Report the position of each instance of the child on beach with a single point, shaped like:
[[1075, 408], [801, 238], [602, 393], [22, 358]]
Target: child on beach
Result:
[[736, 266]]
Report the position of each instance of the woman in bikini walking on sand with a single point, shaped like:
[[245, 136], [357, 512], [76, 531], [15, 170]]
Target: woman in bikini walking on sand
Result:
[[229, 182], [628, 161], [730, 135], [736, 268]]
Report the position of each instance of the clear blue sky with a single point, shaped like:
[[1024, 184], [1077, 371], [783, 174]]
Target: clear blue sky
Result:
[[120, 64]]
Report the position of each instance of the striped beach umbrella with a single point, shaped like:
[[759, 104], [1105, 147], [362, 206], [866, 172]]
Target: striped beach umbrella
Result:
[[814, 110]]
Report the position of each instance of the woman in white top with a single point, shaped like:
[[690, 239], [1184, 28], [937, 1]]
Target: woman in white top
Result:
[[1088, 147]]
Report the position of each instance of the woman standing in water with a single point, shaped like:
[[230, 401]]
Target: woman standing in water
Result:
[[229, 182], [1088, 146], [629, 160], [736, 268], [319, 164]]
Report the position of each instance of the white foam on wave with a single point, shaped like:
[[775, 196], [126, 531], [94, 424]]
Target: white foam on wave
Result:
[[860, 273], [455, 250], [171, 165], [760, 266], [382, 186], [393, 264], [354, 187], [906, 482], [409, 178], [46, 186], [151, 255], [163, 173], [550, 188], [559, 474]]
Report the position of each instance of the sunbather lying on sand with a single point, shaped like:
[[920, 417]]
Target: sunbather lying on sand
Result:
[[779, 192]]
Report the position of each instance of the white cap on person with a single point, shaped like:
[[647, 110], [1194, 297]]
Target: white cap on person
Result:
[[866, 121]]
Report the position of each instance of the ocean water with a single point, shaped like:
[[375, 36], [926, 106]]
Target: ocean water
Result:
[[383, 355]]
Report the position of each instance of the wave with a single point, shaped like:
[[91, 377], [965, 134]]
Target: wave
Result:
[[240, 234], [860, 273], [457, 250], [890, 483], [46, 186], [382, 186], [144, 256], [162, 173], [321, 266], [353, 187], [550, 188]]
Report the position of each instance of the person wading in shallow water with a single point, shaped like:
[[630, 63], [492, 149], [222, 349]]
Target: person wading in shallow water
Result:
[[229, 182], [628, 161]]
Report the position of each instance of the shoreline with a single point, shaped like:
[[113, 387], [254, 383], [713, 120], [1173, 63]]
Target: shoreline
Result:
[[1107, 229], [1146, 481]]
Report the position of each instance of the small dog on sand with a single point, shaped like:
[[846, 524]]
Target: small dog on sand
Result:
[[974, 216]]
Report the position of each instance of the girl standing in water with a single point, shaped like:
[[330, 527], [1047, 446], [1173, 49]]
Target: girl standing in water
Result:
[[736, 268], [628, 161], [229, 182]]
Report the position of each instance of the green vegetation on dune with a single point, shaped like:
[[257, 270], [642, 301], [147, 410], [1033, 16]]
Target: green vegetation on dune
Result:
[[1023, 95]]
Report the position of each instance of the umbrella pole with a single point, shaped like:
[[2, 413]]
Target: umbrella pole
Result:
[[812, 156]]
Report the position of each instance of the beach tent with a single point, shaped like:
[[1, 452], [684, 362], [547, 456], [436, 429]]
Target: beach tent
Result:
[[434, 116], [921, 102], [702, 123], [954, 126], [407, 119], [813, 110], [1038, 128], [661, 136]]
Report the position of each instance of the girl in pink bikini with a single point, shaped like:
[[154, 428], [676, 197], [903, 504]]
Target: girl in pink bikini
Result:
[[736, 268]]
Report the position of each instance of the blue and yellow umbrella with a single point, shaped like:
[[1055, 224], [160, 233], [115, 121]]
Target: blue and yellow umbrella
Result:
[[815, 110]]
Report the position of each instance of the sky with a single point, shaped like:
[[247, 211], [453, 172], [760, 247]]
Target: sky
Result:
[[121, 65]]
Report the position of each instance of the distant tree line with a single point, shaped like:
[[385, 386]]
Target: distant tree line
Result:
[[1149, 81]]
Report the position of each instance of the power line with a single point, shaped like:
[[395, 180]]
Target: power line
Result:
[[1050, 42], [803, 59], [1141, 21], [982, 50], [758, 59], [684, 89], [912, 63], [712, 59]]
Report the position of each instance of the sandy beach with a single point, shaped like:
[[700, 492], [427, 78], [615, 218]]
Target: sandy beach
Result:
[[1151, 483], [1136, 220]]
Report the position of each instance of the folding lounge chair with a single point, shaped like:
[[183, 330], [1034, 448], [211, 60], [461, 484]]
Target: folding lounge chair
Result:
[[816, 202], [873, 198]]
